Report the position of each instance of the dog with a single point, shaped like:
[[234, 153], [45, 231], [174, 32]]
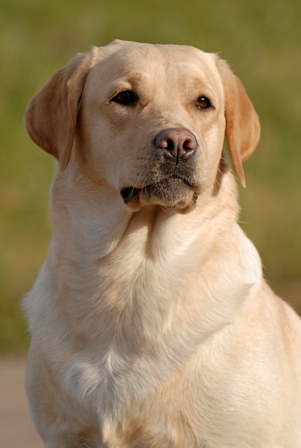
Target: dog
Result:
[[151, 324]]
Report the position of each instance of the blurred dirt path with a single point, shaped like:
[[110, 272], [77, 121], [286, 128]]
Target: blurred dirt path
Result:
[[16, 427]]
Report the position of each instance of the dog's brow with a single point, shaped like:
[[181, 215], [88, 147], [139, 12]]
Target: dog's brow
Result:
[[132, 76], [128, 80]]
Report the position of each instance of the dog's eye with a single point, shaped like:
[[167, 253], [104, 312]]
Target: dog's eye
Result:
[[125, 97], [203, 103]]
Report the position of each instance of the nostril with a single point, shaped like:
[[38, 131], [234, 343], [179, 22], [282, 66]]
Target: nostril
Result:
[[189, 144], [170, 144], [164, 142]]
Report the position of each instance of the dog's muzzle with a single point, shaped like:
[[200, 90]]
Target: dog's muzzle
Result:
[[170, 178]]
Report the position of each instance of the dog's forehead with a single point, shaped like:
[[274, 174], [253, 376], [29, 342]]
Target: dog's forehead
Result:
[[122, 57]]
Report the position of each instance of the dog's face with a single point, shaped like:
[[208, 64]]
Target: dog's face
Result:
[[154, 117], [147, 120]]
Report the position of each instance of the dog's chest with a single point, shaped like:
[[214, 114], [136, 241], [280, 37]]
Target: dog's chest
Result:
[[146, 416], [149, 404], [139, 407]]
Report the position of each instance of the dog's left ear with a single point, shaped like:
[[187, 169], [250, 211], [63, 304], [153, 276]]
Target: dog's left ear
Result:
[[51, 116], [242, 122]]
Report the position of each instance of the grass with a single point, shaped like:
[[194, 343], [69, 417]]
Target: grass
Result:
[[261, 40]]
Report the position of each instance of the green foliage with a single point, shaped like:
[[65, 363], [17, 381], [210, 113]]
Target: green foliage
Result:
[[261, 41]]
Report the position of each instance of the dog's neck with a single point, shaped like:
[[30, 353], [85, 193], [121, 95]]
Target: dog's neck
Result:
[[137, 265], [92, 223]]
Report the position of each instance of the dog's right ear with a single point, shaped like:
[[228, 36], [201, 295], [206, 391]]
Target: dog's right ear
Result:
[[51, 116]]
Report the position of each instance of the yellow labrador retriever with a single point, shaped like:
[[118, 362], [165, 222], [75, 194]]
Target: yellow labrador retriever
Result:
[[151, 324]]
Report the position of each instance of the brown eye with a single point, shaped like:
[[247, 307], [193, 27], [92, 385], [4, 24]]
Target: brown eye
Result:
[[203, 103], [126, 97]]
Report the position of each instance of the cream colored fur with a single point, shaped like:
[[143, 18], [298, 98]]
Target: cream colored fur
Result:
[[151, 324]]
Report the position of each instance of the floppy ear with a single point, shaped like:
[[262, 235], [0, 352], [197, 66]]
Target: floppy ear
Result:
[[242, 122], [51, 116]]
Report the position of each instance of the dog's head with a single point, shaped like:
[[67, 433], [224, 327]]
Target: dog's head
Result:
[[147, 120]]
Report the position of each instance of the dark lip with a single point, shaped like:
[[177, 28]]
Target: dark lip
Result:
[[128, 193]]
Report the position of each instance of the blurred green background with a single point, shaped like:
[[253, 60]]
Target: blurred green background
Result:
[[262, 42]]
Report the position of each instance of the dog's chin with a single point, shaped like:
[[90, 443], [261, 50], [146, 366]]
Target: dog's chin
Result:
[[170, 193]]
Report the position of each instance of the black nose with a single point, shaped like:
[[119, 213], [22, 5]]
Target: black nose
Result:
[[176, 143]]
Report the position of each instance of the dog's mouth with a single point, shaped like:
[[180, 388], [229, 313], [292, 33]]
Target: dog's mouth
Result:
[[173, 191]]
